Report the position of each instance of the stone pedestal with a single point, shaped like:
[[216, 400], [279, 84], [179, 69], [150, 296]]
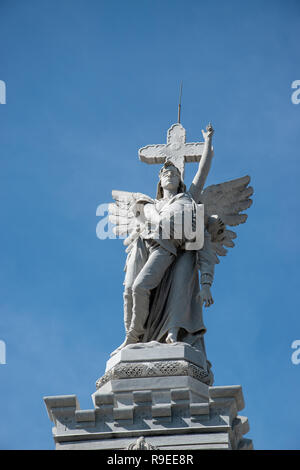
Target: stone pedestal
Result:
[[153, 396]]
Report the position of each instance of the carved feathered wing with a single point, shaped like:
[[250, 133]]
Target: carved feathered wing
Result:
[[227, 201], [123, 214]]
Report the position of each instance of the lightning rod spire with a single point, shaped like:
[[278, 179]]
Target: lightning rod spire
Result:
[[179, 104]]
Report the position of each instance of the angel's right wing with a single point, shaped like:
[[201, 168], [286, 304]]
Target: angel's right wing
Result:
[[123, 213]]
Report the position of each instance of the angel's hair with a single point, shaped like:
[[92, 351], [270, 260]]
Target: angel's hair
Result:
[[181, 187]]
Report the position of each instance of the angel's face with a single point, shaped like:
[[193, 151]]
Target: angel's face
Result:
[[169, 177]]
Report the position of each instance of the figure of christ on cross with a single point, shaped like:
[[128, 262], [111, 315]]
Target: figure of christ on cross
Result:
[[161, 253]]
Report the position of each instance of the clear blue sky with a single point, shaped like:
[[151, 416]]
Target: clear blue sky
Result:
[[88, 83]]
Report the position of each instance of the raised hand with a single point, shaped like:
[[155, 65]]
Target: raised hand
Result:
[[209, 132]]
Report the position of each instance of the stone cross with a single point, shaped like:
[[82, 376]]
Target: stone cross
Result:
[[175, 150]]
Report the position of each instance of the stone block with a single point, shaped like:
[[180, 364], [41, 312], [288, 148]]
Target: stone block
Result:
[[164, 401]]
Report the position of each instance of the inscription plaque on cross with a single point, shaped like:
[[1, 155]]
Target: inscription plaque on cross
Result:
[[176, 150]]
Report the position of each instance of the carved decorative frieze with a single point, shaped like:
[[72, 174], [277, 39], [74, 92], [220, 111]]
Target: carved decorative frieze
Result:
[[126, 370]]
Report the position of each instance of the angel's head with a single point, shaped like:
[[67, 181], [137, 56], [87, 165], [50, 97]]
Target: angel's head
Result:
[[169, 178]]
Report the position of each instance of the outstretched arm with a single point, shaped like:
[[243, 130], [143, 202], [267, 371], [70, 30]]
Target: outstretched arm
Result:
[[204, 164]]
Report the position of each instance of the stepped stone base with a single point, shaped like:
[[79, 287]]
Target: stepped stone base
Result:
[[153, 396]]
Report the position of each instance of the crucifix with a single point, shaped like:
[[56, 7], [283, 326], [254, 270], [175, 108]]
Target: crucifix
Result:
[[176, 150]]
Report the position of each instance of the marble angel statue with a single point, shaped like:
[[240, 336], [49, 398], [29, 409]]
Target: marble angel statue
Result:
[[163, 300]]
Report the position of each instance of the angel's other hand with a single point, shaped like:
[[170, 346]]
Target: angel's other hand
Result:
[[206, 295]]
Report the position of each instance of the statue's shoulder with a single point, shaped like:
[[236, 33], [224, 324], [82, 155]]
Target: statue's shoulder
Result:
[[186, 195]]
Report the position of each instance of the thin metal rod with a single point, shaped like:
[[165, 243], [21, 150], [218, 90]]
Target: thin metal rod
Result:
[[179, 105]]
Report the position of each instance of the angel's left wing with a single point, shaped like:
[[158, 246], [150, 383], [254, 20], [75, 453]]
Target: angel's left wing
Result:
[[223, 205]]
